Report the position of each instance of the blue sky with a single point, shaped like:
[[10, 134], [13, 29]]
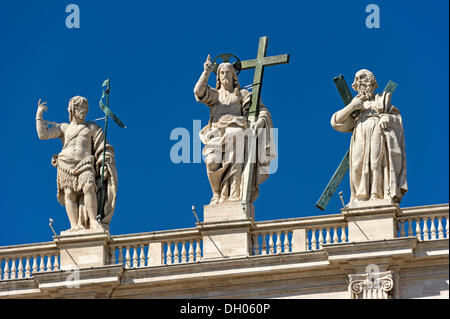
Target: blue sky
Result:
[[153, 52]]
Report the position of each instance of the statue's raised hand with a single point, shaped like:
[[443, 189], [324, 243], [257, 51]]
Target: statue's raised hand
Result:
[[208, 65], [41, 108]]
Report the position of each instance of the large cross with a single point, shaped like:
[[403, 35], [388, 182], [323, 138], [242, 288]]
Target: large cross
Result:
[[343, 167], [258, 64]]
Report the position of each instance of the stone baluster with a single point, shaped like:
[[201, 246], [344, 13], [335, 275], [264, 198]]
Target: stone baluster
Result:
[[446, 227], [41, 263], [169, 254], [56, 262], [256, 249], [20, 269], [286, 241], [49, 262], [35, 267], [263, 244], [335, 235], [6, 270], [343, 234], [278, 242], [433, 229], [402, 228], [425, 229], [183, 251], [271, 244], [176, 254], [313, 239], [410, 231], [418, 230], [440, 228], [320, 238], [328, 236], [198, 250], [135, 257], [27, 268], [142, 256], [120, 255], [13, 268], [127, 257], [191, 250]]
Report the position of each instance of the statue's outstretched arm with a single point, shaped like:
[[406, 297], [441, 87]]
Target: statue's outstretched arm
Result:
[[202, 83], [44, 132]]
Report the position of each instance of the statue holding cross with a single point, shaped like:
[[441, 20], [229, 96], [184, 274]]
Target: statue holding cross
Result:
[[377, 157], [238, 139]]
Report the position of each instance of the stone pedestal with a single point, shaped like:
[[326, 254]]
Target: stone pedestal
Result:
[[371, 222], [83, 249], [226, 230], [228, 211]]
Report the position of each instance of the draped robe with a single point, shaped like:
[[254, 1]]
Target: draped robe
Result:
[[377, 155], [228, 117]]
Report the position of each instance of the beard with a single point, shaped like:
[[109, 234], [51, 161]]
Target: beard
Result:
[[225, 82], [365, 91]]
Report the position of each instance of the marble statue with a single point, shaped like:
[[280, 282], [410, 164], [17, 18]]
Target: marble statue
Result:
[[79, 164], [377, 150], [229, 105]]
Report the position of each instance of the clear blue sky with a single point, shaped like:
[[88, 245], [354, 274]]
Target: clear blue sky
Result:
[[153, 51]]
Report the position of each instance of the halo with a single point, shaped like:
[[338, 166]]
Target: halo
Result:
[[225, 57]]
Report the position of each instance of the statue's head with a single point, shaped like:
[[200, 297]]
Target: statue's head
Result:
[[78, 106], [365, 84], [226, 74]]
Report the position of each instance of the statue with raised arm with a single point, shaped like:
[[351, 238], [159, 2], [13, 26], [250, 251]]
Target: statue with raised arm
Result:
[[377, 156], [223, 137], [79, 165]]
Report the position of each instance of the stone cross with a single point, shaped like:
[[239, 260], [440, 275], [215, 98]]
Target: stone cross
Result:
[[258, 64]]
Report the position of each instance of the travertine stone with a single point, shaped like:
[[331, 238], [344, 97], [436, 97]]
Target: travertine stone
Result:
[[83, 249], [377, 149], [79, 165], [299, 238], [372, 285], [228, 211], [227, 131], [227, 243], [155, 254], [371, 223], [226, 230]]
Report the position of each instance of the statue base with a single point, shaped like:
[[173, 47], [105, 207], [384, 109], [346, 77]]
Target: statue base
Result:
[[373, 221], [83, 248], [226, 230], [228, 211], [371, 203]]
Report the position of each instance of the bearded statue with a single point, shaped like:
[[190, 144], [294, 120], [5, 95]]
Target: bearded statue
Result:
[[377, 148]]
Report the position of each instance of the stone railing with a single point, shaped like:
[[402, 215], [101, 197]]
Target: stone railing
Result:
[[298, 234], [425, 223], [21, 261], [156, 248]]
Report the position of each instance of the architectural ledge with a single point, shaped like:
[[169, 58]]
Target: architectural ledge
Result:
[[395, 248]]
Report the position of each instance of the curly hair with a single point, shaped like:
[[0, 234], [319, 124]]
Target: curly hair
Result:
[[76, 101], [365, 87]]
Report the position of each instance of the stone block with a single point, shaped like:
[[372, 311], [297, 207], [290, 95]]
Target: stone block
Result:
[[83, 249], [228, 211]]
